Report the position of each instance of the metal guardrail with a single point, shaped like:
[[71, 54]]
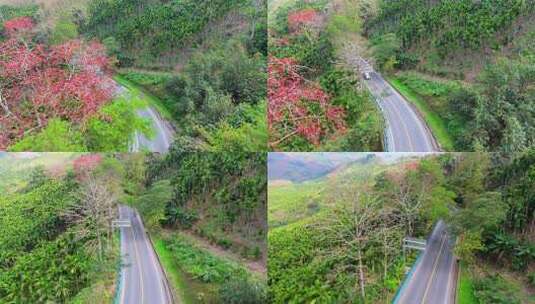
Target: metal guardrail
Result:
[[119, 283], [364, 66]]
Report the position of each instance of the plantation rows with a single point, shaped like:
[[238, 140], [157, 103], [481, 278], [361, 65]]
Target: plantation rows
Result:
[[450, 25], [155, 27], [39, 258]]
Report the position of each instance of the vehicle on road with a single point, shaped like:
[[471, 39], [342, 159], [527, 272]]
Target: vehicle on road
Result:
[[366, 76]]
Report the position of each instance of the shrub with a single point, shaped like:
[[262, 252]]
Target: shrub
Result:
[[531, 278], [494, 289], [57, 136], [242, 292]]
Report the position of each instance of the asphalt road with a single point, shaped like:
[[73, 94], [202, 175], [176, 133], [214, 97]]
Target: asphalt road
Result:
[[163, 133], [433, 280], [406, 131], [142, 278]]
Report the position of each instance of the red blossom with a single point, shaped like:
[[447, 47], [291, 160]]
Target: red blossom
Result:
[[305, 17], [18, 26], [298, 107], [38, 83], [84, 164]]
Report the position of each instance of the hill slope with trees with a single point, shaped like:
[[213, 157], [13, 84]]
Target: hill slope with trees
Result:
[[467, 65], [316, 101], [339, 239], [65, 251], [207, 215]]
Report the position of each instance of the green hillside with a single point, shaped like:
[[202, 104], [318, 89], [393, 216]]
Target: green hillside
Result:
[[148, 29], [50, 250], [338, 239], [207, 215], [202, 64], [467, 65]]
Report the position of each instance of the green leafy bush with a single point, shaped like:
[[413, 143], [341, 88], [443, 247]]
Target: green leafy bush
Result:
[[201, 264], [58, 135], [113, 130], [493, 289], [242, 292]]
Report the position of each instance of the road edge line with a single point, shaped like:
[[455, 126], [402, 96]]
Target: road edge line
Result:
[[407, 278], [169, 290], [436, 143], [434, 271], [119, 288]]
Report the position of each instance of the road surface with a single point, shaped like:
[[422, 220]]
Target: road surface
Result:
[[142, 279], [406, 131], [163, 133], [433, 280]]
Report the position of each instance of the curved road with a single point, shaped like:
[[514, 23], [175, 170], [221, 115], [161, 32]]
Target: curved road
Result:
[[163, 132], [406, 131], [162, 138], [142, 278], [434, 278]]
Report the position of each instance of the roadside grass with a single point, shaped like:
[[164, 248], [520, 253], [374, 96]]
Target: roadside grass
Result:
[[435, 122], [196, 274], [174, 274], [145, 96], [465, 287]]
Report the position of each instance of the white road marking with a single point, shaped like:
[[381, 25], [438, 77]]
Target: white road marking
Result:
[[138, 265], [154, 263]]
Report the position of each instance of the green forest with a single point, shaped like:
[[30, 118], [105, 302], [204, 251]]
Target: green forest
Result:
[[53, 248], [337, 239], [466, 65], [205, 214], [207, 70]]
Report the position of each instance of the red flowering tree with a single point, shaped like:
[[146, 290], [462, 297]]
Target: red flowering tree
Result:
[[18, 26], [303, 18], [39, 82], [85, 164], [298, 107]]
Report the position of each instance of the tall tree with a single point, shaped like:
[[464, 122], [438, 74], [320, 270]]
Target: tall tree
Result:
[[351, 228], [93, 214]]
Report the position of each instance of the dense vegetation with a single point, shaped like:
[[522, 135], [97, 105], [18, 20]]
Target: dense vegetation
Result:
[[146, 30], [204, 60], [195, 202], [483, 45], [216, 102], [315, 104], [56, 92], [60, 251], [338, 239]]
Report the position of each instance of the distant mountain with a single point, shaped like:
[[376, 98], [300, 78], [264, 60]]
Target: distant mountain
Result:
[[298, 167]]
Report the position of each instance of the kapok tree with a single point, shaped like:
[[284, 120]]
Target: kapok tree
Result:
[[298, 107], [303, 18], [39, 82], [85, 164]]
